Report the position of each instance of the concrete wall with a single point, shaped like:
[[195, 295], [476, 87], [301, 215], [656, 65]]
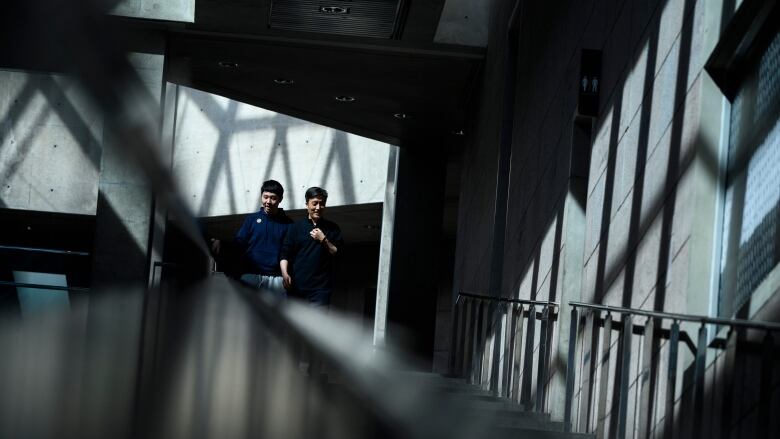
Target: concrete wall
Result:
[[52, 140], [479, 169], [464, 22], [56, 157], [645, 239], [224, 150], [171, 10], [50, 143]]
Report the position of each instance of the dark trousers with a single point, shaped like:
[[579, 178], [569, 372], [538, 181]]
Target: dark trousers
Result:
[[319, 297]]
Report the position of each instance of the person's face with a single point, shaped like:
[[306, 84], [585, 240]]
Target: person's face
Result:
[[270, 202], [316, 208]]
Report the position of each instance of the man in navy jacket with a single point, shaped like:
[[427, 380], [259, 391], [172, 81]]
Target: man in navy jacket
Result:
[[260, 239], [308, 251]]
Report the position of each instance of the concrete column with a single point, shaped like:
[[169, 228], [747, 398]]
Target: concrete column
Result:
[[124, 208], [386, 249], [414, 268], [170, 93], [571, 257]]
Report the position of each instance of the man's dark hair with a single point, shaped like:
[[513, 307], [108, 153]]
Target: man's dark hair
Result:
[[317, 192], [273, 187]]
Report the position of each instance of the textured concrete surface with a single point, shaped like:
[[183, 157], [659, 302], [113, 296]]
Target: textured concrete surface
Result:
[[224, 150], [464, 22], [50, 140], [124, 209], [172, 10], [644, 239]]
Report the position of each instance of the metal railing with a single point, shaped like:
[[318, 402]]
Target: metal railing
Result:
[[587, 320], [11, 248], [43, 286], [477, 318]]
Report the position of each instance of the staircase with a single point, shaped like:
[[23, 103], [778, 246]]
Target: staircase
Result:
[[484, 415]]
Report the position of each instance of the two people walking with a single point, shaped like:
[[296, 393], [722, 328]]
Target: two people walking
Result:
[[287, 258]]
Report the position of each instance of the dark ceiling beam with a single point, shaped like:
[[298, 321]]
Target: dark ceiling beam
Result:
[[433, 50], [432, 84], [419, 21]]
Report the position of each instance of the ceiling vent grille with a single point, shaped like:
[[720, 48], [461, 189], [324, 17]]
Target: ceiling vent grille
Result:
[[365, 18]]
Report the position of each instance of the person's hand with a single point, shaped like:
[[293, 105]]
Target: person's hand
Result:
[[286, 281], [317, 234], [215, 246]]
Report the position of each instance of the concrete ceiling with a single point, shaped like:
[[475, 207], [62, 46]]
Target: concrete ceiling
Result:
[[231, 50]]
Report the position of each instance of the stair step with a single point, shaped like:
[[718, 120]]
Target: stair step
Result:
[[511, 432], [480, 396], [504, 412], [491, 416], [521, 422], [496, 405]]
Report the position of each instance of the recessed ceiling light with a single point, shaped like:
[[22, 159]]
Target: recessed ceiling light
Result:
[[228, 64], [284, 81], [458, 132], [402, 116], [334, 10], [345, 98]]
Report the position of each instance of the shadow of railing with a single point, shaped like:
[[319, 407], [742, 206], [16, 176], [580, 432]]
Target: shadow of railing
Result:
[[681, 410]]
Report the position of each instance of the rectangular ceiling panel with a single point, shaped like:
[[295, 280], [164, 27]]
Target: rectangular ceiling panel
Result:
[[366, 18]]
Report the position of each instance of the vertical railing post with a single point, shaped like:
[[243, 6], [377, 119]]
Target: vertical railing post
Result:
[[509, 351], [766, 388], [499, 341], [606, 348], [729, 374], [467, 339], [698, 379], [570, 370], [456, 343], [487, 307], [473, 363], [528, 364], [541, 365], [646, 381], [517, 357], [625, 365], [671, 380], [587, 371]]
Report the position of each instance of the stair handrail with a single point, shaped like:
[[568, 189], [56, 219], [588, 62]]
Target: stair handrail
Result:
[[752, 324], [507, 299], [652, 328], [503, 321]]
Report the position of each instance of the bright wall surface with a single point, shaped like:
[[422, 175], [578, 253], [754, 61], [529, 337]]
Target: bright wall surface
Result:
[[50, 143], [643, 233], [224, 150], [171, 10]]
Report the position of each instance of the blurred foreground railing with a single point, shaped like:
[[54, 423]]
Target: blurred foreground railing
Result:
[[593, 322], [216, 360], [477, 318]]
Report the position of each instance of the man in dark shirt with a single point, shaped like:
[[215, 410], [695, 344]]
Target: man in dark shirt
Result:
[[260, 238], [308, 251]]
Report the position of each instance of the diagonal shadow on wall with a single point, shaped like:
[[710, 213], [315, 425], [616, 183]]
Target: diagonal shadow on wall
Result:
[[339, 157]]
